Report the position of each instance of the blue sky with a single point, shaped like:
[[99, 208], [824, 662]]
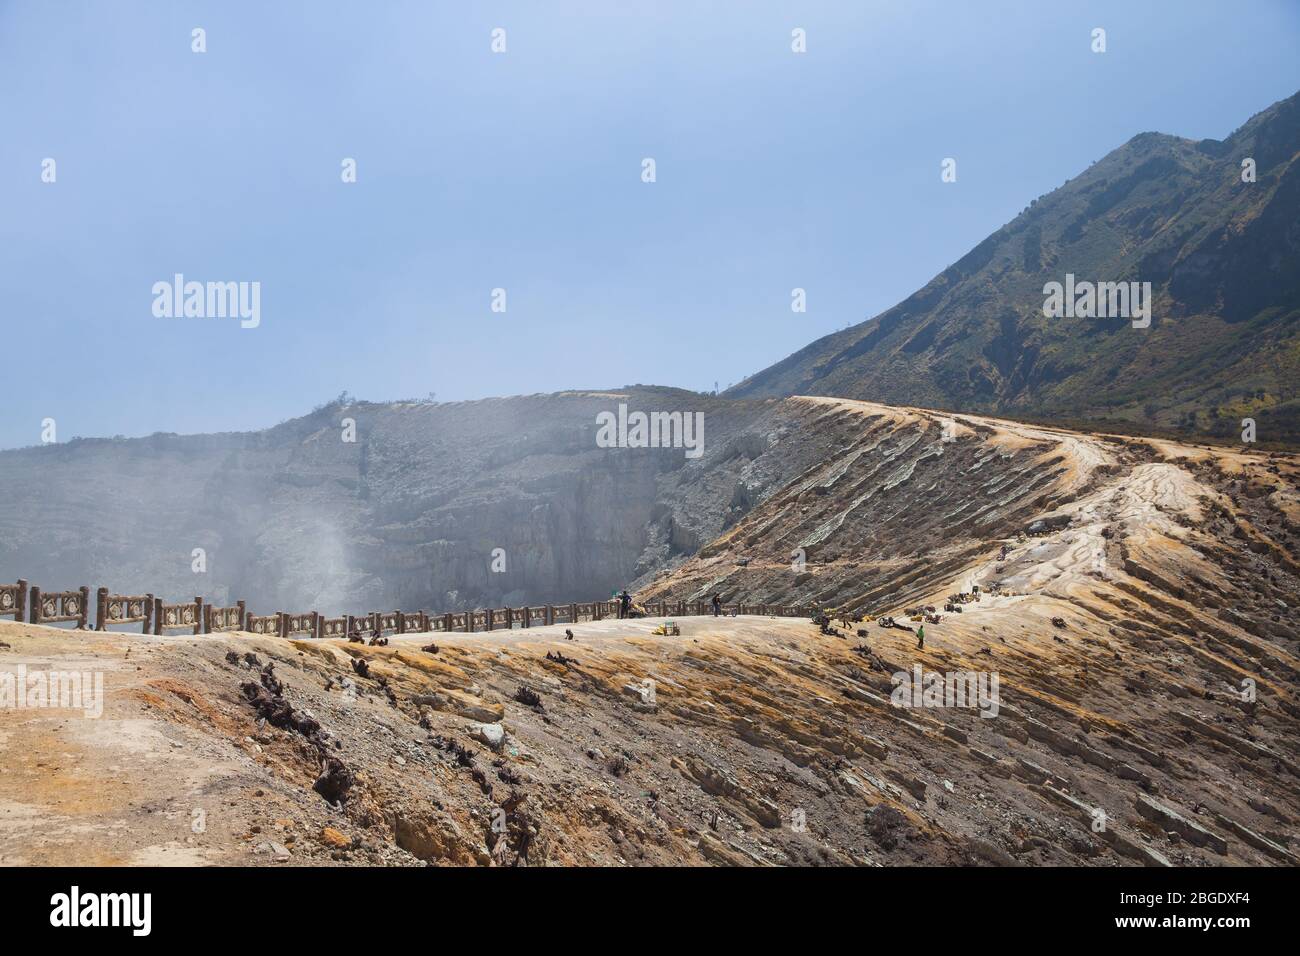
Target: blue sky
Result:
[[522, 171]]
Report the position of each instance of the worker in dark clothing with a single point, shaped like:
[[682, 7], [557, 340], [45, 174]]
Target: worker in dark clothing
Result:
[[717, 605], [624, 605]]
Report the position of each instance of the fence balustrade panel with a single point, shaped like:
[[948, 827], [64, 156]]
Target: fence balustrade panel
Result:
[[123, 609], [13, 600], [58, 607]]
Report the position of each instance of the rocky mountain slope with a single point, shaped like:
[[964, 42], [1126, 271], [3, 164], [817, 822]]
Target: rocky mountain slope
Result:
[[409, 515], [1136, 604], [1223, 259]]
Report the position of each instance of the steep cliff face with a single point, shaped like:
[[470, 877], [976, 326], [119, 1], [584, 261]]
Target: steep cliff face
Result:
[[411, 514], [1222, 256]]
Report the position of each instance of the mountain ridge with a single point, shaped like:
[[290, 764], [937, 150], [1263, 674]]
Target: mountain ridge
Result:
[[1223, 257]]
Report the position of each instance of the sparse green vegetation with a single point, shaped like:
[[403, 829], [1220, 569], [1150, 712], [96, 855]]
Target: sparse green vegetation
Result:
[[1223, 260]]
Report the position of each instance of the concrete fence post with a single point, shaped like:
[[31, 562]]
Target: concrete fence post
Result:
[[198, 615], [101, 609]]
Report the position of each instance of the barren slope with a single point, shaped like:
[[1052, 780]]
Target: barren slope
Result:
[[768, 741]]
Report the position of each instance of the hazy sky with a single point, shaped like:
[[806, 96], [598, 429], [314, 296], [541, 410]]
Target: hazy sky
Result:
[[522, 171]]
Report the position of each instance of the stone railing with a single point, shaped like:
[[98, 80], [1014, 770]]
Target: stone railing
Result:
[[268, 624], [200, 618], [54, 607], [417, 623], [333, 627], [123, 609], [299, 623], [223, 618], [365, 624], [168, 617]]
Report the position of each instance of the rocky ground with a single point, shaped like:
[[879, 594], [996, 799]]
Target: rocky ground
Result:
[[1136, 604], [765, 741]]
